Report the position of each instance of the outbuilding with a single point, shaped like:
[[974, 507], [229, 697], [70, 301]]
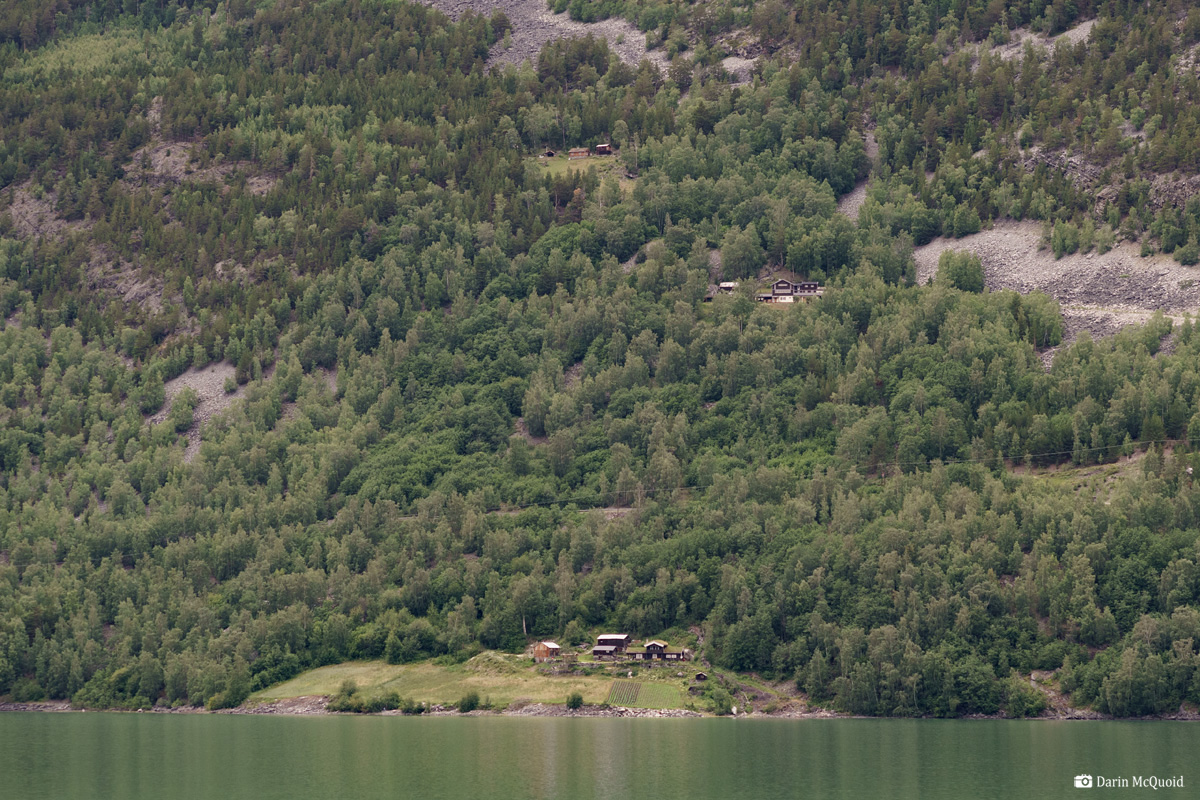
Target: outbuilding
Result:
[[604, 651], [545, 651], [618, 641]]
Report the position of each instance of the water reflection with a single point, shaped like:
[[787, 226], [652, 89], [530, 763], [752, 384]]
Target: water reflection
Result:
[[225, 757]]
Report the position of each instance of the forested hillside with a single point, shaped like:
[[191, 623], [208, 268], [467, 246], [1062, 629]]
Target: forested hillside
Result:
[[481, 400]]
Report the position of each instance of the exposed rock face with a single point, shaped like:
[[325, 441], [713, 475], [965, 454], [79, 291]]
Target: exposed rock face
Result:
[[533, 25], [1098, 293]]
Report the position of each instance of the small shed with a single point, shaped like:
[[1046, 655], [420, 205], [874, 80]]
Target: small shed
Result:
[[604, 651], [604, 149], [727, 286], [578, 152], [545, 651], [548, 154], [701, 676]]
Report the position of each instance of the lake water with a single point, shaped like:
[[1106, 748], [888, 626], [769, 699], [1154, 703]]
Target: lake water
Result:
[[163, 757]]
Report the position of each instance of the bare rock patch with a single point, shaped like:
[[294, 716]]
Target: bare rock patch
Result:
[[1098, 293], [533, 25]]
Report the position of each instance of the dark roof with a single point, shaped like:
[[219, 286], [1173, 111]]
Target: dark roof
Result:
[[604, 648]]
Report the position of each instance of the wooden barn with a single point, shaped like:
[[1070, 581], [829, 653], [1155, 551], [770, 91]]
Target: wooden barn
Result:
[[578, 152], [545, 651], [618, 641], [604, 149]]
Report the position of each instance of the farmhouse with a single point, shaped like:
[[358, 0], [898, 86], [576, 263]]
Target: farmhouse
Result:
[[545, 651], [578, 152], [656, 649]]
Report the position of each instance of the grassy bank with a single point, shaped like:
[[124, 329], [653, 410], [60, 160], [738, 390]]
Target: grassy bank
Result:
[[498, 678]]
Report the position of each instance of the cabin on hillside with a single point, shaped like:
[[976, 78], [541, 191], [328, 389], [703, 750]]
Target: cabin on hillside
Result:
[[618, 640], [578, 152], [545, 651], [724, 287], [604, 149], [548, 154], [785, 291]]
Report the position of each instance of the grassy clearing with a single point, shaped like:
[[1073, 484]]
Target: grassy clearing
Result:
[[605, 167], [497, 677]]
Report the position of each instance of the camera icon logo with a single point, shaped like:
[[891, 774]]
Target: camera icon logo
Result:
[[1083, 781]]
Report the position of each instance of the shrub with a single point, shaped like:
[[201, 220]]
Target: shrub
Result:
[[720, 702], [962, 271], [574, 701], [469, 702], [1023, 701]]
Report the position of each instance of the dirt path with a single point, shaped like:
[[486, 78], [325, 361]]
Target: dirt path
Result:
[[1098, 293], [533, 25]]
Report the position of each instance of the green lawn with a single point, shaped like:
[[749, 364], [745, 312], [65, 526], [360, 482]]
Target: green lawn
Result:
[[604, 166], [501, 678], [496, 676]]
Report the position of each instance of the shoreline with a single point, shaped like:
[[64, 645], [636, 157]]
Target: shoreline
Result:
[[314, 706]]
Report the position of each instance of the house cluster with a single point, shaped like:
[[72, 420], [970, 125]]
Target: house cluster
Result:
[[620, 646], [585, 152], [615, 647], [781, 291]]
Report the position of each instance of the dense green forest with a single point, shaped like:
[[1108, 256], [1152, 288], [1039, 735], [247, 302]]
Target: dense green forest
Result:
[[537, 427]]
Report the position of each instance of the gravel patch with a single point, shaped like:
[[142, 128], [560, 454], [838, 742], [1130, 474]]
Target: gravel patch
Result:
[[850, 203], [209, 385], [548, 710], [1020, 36], [1098, 293], [740, 68], [533, 25]]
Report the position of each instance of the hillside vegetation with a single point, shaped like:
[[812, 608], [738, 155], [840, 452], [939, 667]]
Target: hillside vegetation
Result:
[[481, 402]]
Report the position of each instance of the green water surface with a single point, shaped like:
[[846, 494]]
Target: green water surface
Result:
[[220, 757]]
